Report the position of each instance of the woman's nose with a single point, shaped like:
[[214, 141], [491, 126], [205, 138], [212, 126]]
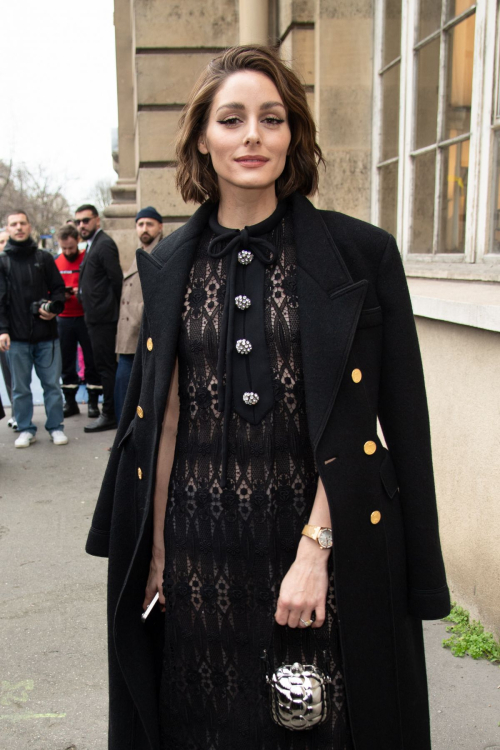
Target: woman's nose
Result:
[[252, 134]]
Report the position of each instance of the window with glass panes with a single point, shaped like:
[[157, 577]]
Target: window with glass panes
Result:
[[443, 59], [436, 178], [495, 228], [388, 148]]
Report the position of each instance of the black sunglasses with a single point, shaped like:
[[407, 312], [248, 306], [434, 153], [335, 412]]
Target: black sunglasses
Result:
[[83, 221]]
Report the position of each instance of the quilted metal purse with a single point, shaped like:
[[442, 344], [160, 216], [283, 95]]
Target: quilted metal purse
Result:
[[299, 694]]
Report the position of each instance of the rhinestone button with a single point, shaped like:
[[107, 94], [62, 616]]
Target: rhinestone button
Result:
[[245, 257], [243, 346], [242, 302], [140, 412], [149, 344], [139, 472], [250, 398]]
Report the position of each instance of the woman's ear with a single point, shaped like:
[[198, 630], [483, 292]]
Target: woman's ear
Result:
[[202, 146]]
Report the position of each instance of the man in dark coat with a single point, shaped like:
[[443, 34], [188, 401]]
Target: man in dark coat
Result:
[[31, 295], [101, 280], [361, 361]]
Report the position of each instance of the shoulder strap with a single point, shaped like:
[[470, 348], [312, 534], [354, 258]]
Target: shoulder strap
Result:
[[41, 261]]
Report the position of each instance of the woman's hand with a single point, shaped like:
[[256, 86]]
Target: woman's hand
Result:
[[305, 587], [155, 580]]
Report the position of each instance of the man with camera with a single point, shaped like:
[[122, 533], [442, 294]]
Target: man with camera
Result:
[[72, 328], [101, 279], [31, 295]]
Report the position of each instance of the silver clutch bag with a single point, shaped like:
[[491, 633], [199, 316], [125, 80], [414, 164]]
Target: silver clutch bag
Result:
[[300, 696]]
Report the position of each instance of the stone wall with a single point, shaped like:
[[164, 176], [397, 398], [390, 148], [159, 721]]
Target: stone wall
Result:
[[462, 372]]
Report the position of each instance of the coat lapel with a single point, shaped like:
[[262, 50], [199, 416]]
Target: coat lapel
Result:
[[164, 275], [329, 307]]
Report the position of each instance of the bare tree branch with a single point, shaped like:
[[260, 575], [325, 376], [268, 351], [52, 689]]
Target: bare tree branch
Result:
[[36, 193]]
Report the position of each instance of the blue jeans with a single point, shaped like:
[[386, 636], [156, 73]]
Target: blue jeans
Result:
[[123, 372], [45, 357]]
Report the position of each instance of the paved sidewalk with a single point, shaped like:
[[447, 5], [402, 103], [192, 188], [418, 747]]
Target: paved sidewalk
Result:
[[52, 611]]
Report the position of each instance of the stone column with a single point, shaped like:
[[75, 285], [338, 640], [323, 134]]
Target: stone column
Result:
[[343, 103], [254, 21], [120, 215], [296, 34]]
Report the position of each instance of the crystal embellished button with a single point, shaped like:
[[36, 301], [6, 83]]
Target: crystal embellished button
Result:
[[243, 346], [242, 302], [250, 398], [245, 257]]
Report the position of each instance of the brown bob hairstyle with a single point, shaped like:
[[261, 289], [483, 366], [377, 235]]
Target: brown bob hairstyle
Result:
[[196, 177]]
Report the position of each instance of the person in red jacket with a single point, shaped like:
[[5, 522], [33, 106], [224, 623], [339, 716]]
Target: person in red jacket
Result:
[[72, 328]]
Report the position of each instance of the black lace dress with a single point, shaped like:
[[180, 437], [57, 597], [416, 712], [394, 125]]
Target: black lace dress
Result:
[[227, 550]]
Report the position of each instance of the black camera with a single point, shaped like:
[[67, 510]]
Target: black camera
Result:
[[56, 307]]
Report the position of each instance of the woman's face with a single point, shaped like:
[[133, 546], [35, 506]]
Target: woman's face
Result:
[[247, 134]]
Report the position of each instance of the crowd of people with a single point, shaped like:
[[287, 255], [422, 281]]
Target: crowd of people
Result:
[[51, 305]]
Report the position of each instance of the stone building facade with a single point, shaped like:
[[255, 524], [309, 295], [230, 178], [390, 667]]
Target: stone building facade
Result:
[[405, 94]]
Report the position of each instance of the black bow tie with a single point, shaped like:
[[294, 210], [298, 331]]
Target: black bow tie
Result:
[[243, 354]]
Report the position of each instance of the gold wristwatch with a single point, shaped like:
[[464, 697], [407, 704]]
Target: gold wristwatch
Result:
[[320, 534]]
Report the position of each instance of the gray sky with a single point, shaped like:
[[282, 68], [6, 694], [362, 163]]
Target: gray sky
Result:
[[58, 90]]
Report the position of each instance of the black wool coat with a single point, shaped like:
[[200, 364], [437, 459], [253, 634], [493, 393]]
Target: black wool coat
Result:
[[101, 280], [356, 320]]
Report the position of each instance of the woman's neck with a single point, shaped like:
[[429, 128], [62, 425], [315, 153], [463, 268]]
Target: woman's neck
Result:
[[244, 207]]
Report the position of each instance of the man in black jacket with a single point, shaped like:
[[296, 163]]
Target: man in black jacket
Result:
[[31, 295], [101, 280]]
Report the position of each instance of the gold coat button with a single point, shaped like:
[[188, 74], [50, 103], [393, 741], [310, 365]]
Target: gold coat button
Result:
[[370, 447], [139, 472], [376, 517], [140, 412], [149, 344], [356, 375]]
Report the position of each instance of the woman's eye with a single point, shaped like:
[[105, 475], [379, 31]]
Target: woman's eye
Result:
[[273, 120], [230, 121]]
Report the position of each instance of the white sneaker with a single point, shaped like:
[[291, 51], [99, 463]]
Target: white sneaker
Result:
[[12, 423], [58, 437], [25, 439]]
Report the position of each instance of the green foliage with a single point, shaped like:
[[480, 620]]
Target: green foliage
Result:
[[469, 637]]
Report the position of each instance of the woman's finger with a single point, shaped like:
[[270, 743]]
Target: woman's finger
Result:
[[294, 618], [320, 616], [281, 614], [305, 616]]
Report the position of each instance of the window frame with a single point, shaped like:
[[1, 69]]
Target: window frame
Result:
[[483, 127]]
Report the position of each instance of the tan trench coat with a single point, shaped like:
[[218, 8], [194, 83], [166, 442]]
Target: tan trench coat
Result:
[[131, 307]]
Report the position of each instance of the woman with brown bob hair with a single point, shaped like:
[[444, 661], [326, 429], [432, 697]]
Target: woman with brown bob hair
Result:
[[248, 487]]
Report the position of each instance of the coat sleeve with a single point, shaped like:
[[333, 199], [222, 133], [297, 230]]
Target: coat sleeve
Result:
[[404, 419], [110, 260], [98, 538]]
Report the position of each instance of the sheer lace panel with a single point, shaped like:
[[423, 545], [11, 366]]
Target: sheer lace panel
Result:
[[227, 551]]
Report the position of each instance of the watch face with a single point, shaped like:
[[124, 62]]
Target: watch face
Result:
[[325, 539]]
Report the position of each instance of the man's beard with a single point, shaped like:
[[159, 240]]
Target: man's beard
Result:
[[146, 238], [71, 258]]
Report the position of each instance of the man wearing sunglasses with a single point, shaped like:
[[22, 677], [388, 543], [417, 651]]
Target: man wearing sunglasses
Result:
[[100, 287]]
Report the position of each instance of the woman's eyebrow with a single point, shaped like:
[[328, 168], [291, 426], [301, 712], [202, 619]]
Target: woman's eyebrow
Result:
[[240, 106], [231, 105], [270, 105]]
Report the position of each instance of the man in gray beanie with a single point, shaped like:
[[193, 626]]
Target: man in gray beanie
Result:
[[148, 225]]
